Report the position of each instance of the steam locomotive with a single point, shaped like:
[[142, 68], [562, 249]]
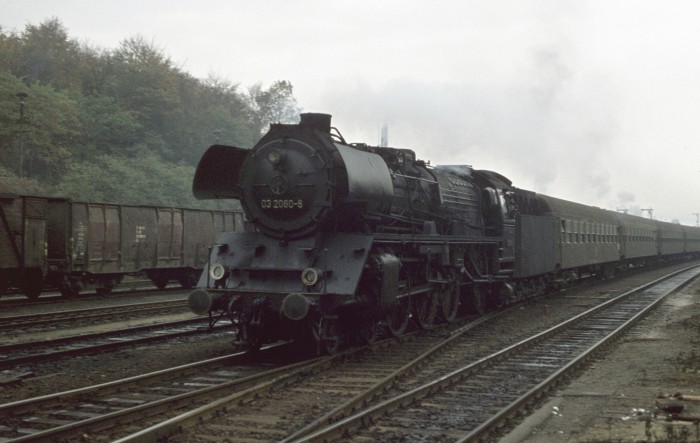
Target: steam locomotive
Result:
[[346, 241]]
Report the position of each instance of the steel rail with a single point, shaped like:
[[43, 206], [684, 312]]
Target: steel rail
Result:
[[75, 340], [343, 427], [541, 389], [359, 401], [176, 424], [39, 319], [53, 297], [34, 403], [250, 385]]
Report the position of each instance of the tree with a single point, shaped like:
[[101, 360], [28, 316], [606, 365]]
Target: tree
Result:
[[47, 55], [39, 144], [126, 120], [274, 105], [106, 128], [10, 126], [145, 83]]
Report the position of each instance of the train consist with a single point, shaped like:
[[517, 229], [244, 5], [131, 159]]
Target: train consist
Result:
[[69, 244], [344, 239]]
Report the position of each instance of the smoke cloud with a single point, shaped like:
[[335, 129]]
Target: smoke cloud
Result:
[[545, 121]]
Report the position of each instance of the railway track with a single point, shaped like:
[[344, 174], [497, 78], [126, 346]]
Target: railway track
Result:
[[473, 402], [77, 413], [292, 405], [39, 351], [94, 410], [35, 320], [386, 396], [142, 288]]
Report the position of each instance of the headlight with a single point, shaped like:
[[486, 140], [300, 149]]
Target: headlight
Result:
[[274, 156], [310, 276], [217, 271]]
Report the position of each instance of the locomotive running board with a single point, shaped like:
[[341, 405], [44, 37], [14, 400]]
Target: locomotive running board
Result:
[[433, 239]]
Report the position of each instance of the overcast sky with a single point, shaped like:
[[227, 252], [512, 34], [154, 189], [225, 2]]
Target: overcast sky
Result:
[[592, 101]]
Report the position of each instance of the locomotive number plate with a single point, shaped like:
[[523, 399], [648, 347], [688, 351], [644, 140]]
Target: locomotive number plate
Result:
[[267, 203]]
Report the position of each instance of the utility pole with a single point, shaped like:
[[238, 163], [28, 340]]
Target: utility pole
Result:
[[650, 211], [22, 129]]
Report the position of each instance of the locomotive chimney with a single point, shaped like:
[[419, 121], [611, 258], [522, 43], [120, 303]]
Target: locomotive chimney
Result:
[[316, 120]]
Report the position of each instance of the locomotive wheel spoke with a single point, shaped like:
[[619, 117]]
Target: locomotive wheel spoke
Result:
[[475, 301], [427, 309], [449, 299], [450, 303], [397, 319]]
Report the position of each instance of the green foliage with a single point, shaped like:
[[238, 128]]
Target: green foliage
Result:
[[106, 127], [38, 141], [123, 125], [140, 179], [274, 105]]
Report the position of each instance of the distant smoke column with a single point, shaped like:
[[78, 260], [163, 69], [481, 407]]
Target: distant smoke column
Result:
[[384, 138]]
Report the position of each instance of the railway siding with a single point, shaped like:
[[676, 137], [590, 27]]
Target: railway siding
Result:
[[475, 401], [298, 405], [519, 322]]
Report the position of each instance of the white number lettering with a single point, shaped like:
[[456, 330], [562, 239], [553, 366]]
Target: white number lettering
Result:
[[267, 203]]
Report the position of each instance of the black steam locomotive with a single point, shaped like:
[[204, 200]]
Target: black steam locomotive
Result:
[[346, 240]]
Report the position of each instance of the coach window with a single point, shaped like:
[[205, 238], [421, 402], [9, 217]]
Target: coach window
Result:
[[563, 230], [578, 225], [589, 232], [580, 233], [596, 232]]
